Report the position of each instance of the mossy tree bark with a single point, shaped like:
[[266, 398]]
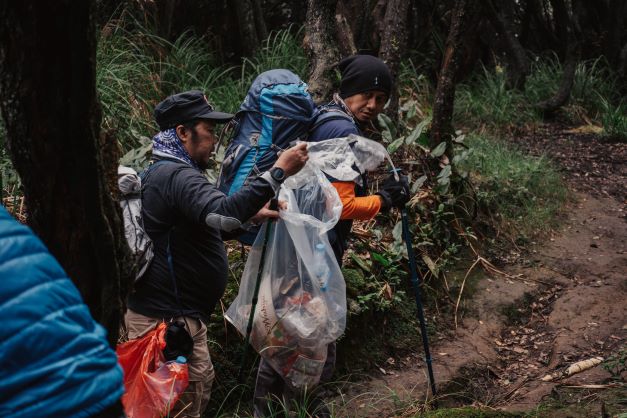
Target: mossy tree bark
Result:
[[393, 45], [442, 122], [321, 45], [52, 118], [346, 39]]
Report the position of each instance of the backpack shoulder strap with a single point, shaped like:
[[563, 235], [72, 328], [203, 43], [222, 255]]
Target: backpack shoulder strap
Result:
[[328, 113], [144, 174]]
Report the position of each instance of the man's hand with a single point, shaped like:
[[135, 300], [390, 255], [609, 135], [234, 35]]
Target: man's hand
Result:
[[264, 213], [267, 213], [293, 159]]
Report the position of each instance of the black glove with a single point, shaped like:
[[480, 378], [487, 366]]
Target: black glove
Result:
[[394, 193]]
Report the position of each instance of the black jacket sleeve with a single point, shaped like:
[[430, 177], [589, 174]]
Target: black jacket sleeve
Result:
[[199, 200]]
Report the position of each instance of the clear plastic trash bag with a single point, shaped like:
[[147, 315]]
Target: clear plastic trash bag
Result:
[[346, 158], [301, 304]]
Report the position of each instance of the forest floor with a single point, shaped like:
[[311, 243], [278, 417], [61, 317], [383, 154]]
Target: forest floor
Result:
[[563, 300]]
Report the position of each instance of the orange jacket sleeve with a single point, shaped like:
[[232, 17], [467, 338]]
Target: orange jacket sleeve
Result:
[[356, 207]]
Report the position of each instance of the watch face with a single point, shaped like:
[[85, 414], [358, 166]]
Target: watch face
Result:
[[278, 174]]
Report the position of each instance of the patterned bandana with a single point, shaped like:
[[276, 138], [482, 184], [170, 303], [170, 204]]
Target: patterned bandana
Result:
[[168, 144], [340, 102]]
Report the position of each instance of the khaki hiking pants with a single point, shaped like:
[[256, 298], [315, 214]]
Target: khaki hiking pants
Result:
[[196, 397]]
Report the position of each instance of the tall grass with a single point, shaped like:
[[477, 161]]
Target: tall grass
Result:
[[125, 85], [614, 120], [522, 194], [136, 69], [282, 49], [592, 81], [487, 101]]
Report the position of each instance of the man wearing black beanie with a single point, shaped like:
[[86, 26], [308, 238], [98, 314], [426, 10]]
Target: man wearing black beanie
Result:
[[364, 89]]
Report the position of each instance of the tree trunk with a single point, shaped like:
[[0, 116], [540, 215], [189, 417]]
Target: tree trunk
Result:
[[52, 119], [544, 38], [346, 40], [519, 63], [260, 23], [378, 19], [562, 24], [246, 24], [393, 44], [559, 99], [622, 65], [165, 13], [299, 12], [566, 31], [441, 125], [320, 44], [616, 24]]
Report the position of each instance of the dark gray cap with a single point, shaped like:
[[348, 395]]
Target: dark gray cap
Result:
[[184, 107]]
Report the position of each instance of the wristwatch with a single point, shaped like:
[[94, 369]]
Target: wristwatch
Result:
[[277, 174]]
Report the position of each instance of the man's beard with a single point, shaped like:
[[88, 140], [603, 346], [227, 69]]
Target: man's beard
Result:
[[201, 164]]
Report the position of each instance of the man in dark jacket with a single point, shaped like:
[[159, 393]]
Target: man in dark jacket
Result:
[[364, 89], [185, 216]]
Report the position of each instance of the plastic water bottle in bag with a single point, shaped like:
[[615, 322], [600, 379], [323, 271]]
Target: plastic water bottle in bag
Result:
[[321, 268], [171, 377]]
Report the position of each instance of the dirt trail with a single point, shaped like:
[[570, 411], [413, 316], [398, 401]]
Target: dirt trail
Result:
[[567, 303]]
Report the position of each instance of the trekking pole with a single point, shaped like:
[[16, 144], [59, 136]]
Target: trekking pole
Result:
[[413, 270], [416, 285], [262, 261]]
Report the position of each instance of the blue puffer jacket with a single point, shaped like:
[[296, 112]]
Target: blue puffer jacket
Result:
[[54, 358]]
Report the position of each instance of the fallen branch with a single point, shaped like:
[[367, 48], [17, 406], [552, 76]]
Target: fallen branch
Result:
[[459, 296], [592, 386], [505, 398], [574, 368], [583, 365]]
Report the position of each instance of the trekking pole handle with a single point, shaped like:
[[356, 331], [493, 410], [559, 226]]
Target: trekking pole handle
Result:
[[396, 172]]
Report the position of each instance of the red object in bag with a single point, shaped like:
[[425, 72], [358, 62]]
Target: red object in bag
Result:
[[152, 386]]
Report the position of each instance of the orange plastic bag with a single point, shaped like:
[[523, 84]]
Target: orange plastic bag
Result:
[[152, 385]]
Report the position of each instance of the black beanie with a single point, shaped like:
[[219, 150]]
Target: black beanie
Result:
[[361, 73]]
